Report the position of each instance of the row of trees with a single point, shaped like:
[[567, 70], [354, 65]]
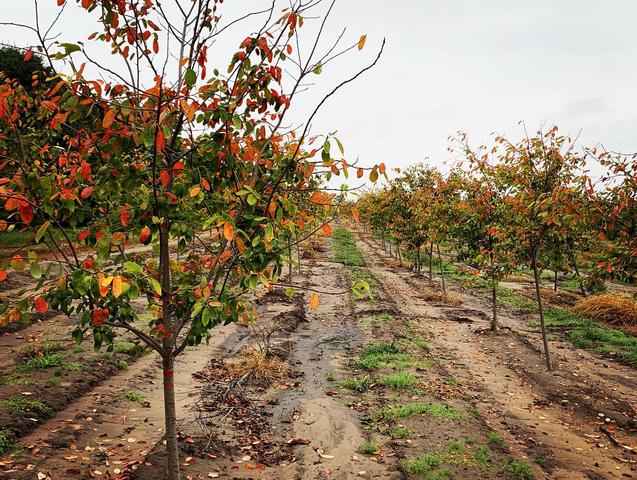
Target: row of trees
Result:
[[513, 204], [163, 149]]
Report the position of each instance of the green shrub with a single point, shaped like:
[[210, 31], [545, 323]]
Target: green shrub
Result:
[[7, 442]]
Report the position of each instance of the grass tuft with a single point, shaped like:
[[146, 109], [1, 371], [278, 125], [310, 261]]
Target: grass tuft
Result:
[[369, 448], [521, 469], [41, 363], [7, 442], [394, 412], [23, 406], [131, 396], [357, 384], [399, 381]]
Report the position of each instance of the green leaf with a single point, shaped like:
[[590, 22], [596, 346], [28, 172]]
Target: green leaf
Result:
[[34, 268], [133, 268], [155, 284], [318, 69], [252, 199], [191, 77], [41, 231]]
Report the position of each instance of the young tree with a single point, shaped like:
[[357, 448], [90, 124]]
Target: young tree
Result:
[[482, 217], [163, 152], [544, 175]]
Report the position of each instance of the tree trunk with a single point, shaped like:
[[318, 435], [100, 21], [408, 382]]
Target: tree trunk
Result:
[[442, 272], [555, 280], [290, 260], [431, 262], [400, 257], [581, 283], [170, 414], [538, 294], [494, 295], [298, 250], [168, 361]]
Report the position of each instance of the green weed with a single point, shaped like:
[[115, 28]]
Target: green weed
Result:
[[399, 432], [495, 438], [121, 364], [394, 412], [399, 381], [131, 396], [7, 442], [23, 406], [369, 448], [356, 384], [520, 469], [40, 363]]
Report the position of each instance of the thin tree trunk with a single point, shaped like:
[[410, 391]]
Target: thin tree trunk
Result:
[[170, 414], [494, 295], [442, 272], [290, 261], [169, 388], [494, 319], [431, 262], [298, 250], [400, 257], [538, 294], [555, 280], [581, 283]]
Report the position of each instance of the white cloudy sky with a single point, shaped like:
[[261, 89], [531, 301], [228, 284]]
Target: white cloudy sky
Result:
[[474, 65]]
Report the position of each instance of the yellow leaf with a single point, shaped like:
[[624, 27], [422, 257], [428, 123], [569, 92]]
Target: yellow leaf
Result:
[[228, 231], [314, 301], [361, 42], [104, 281], [118, 286], [194, 191]]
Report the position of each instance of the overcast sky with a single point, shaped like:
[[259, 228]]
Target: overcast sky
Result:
[[474, 65]]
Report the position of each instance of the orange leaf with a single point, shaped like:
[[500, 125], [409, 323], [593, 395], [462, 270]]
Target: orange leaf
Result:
[[118, 286], [360, 173], [361, 42], [355, 215], [194, 191], [327, 229], [109, 118], [314, 301], [228, 231]]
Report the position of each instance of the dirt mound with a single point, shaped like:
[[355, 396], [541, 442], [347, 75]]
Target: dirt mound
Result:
[[616, 310]]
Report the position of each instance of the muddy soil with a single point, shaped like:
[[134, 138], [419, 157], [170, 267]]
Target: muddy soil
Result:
[[482, 403]]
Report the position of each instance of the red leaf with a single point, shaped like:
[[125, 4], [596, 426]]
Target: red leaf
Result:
[[124, 216], [26, 214], [28, 55], [3, 275], [144, 236], [84, 235], [164, 178], [40, 305], [86, 192], [85, 170], [161, 141]]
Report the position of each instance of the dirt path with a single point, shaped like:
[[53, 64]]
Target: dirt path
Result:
[[102, 431], [307, 425], [562, 411]]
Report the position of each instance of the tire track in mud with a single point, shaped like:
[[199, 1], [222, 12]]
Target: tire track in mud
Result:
[[324, 345], [512, 400]]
